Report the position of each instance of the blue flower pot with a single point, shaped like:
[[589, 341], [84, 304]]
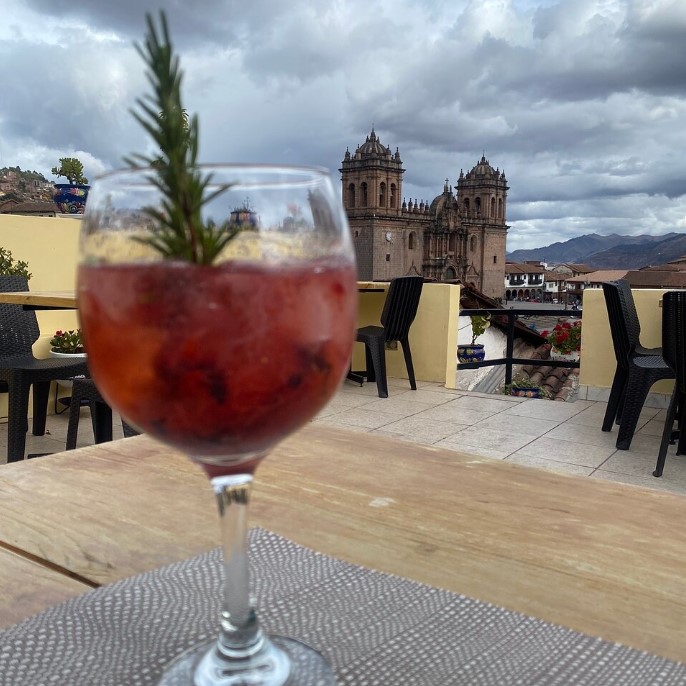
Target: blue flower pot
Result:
[[71, 198], [526, 392], [471, 353]]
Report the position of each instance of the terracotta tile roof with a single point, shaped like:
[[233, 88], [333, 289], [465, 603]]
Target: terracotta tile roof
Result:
[[560, 383], [599, 276], [554, 276], [28, 207], [669, 267], [656, 279], [579, 267], [523, 267]]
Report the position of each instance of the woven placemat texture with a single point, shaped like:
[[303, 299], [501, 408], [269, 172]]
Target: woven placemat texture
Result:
[[375, 629]]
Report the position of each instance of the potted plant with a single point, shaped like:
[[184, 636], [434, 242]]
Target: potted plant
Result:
[[67, 344], [565, 341], [71, 197], [474, 352], [523, 387]]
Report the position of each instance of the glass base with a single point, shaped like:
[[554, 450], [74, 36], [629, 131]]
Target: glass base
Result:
[[282, 662]]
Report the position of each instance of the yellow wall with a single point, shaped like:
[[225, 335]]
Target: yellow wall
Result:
[[597, 354], [433, 336], [50, 246]]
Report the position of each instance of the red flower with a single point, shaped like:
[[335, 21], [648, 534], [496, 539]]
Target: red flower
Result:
[[565, 337]]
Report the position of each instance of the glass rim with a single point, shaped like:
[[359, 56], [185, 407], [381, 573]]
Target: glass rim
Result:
[[298, 169]]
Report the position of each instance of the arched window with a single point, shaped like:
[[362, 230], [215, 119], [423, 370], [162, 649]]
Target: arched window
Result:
[[466, 205], [382, 194], [450, 273], [351, 196], [363, 192], [477, 206], [472, 243], [411, 241], [500, 208], [492, 214], [357, 234], [393, 195]]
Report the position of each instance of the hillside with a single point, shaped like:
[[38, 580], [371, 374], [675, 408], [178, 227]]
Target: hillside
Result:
[[609, 252]]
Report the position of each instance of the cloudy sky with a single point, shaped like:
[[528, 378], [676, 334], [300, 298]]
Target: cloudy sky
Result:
[[581, 102]]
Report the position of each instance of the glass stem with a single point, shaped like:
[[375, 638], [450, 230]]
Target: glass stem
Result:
[[240, 635]]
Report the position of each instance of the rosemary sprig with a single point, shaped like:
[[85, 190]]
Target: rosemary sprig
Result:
[[180, 231]]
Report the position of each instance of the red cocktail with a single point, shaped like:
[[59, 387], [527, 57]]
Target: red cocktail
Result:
[[219, 361]]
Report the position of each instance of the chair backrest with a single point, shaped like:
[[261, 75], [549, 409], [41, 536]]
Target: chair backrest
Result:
[[618, 323], [401, 305], [633, 326], [18, 327], [674, 333]]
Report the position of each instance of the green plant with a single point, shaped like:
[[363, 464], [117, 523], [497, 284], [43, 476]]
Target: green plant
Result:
[[564, 337], [180, 230], [67, 342], [480, 322], [11, 267], [72, 170]]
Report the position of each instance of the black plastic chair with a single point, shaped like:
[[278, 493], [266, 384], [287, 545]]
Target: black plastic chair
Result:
[[20, 370], [85, 391], [674, 347], [632, 321], [398, 314], [635, 373]]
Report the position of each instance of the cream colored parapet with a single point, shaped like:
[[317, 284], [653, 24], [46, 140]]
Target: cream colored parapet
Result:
[[433, 336], [597, 353], [50, 246]]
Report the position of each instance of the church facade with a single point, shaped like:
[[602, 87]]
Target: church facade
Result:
[[458, 235]]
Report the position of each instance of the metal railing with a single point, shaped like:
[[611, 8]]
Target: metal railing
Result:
[[512, 315]]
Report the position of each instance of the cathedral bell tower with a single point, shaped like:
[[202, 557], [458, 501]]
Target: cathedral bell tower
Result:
[[372, 180], [482, 193], [482, 206]]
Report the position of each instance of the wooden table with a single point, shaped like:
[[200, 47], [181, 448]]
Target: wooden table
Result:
[[41, 300], [604, 558]]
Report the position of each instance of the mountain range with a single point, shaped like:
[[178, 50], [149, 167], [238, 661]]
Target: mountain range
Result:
[[609, 252]]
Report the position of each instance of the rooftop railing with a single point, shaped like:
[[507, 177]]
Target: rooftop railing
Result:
[[511, 315]]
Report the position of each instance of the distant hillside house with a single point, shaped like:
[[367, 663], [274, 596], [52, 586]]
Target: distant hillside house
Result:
[[458, 235], [571, 269], [524, 281], [30, 208]]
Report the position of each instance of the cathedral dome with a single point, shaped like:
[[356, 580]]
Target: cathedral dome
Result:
[[483, 168], [373, 146], [439, 202]]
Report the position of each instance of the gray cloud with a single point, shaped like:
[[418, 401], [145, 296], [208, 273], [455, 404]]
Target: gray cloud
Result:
[[582, 102]]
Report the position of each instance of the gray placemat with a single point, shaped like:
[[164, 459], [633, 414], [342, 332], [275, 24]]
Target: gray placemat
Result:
[[374, 628]]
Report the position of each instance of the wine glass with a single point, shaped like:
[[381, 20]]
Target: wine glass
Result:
[[222, 361]]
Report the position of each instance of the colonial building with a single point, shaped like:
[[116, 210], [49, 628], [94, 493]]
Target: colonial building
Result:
[[459, 235]]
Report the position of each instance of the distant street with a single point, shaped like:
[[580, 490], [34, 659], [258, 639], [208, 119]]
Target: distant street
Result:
[[541, 323]]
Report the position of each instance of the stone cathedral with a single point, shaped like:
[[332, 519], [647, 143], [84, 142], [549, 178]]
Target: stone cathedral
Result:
[[458, 235]]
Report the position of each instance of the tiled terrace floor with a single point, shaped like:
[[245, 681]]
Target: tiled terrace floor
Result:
[[564, 437]]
